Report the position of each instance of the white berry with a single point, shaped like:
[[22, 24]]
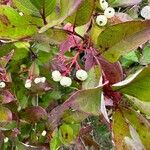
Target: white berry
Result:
[[6, 139], [37, 80], [43, 79], [56, 75], [43, 133], [145, 12], [28, 83], [101, 20], [65, 81], [81, 75], [109, 12], [2, 85], [103, 4]]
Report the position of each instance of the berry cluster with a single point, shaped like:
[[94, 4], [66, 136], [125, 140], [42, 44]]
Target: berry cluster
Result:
[[28, 82], [66, 81], [109, 12]]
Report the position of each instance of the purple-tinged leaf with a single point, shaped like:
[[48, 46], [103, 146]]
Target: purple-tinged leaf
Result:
[[5, 59], [35, 113], [112, 72], [6, 97], [103, 109], [33, 71], [87, 101], [71, 40], [58, 63], [84, 101], [5, 114], [89, 60]]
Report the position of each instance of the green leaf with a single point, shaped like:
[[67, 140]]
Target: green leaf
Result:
[[20, 50], [120, 130], [55, 142], [51, 36], [95, 32], [22, 146], [130, 58], [125, 123], [74, 116], [5, 114], [66, 134], [144, 107], [138, 85], [4, 126], [93, 79], [37, 8], [67, 7], [121, 38], [125, 3], [87, 101], [84, 12], [13, 26], [141, 125], [146, 56]]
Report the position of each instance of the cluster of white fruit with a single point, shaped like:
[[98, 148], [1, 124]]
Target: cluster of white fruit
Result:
[[109, 12], [28, 82], [66, 81], [2, 85], [145, 12]]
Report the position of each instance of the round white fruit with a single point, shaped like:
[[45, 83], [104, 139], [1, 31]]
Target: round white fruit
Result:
[[81, 75], [6, 139], [28, 83], [43, 133], [109, 12], [43, 79], [65, 81], [103, 4], [37, 80], [2, 84], [56, 75], [145, 12], [101, 20]]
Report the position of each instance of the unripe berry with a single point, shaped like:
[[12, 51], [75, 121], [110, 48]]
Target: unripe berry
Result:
[[81, 75], [2, 84], [103, 4], [56, 75], [101, 20], [65, 81], [37, 80], [145, 12], [109, 12]]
